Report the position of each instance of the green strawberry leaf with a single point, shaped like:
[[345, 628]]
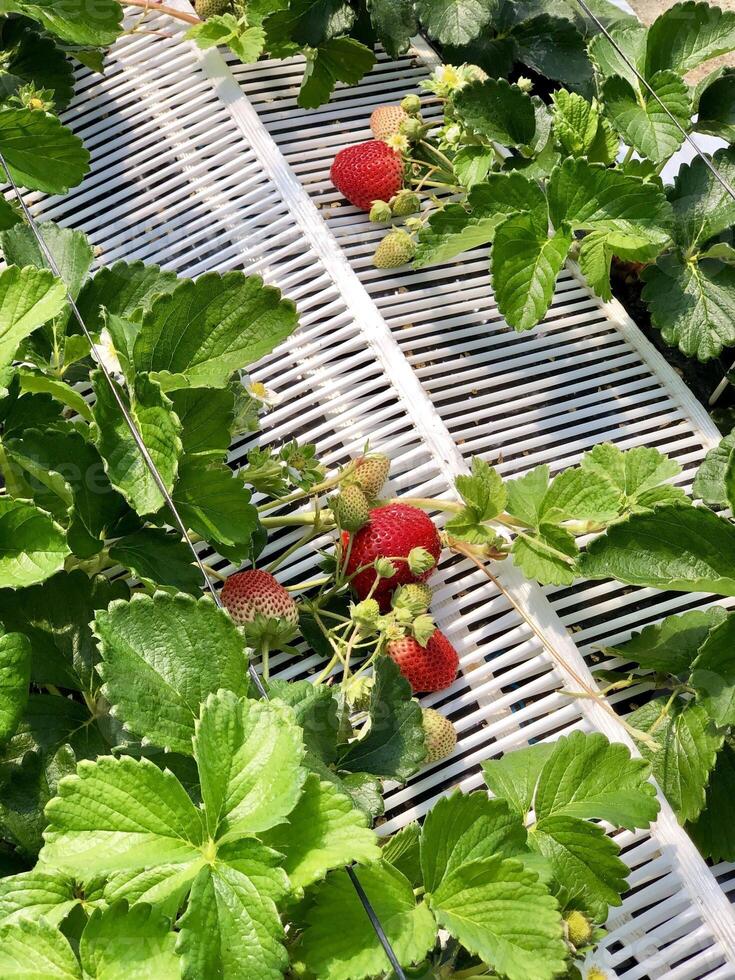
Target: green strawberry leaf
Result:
[[716, 106], [456, 228], [28, 298], [352, 950], [323, 831], [402, 850], [42, 154], [713, 676], [497, 110], [36, 893], [471, 164], [146, 819], [702, 207], [31, 57], [159, 558], [31, 950], [580, 129], [671, 645], [394, 746], [462, 828], [125, 290], [72, 20], [32, 545], [712, 831], [709, 483], [547, 555], [640, 118], [55, 617], [692, 303], [32, 380], [595, 256], [340, 59], [226, 29], [206, 330], [639, 474], [152, 414], [582, 494], [503, 914], [585, 862], [687, 549], [525, 263], [688, 34], [484, 491], [249, 757], [688, 744], [315, 708], [71, 250], [207, 417], [394, 21], [15, 675], [513, 777], [122, 943], [453, 21], [156, 668], [526, 495], [589, 777], [553, 47], [631, 39]]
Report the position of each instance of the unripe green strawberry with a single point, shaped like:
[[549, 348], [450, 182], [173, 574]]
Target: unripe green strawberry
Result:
[[579, 928], [370, 474], [380, 212], [396, 249], [440, 735], [416, 597], [413, 129], [212, 8], [404, 203], [411, 104], [351, 508]]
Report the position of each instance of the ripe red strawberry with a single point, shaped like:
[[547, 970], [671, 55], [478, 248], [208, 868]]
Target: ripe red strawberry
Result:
[[429, 668], [392, 532], [246, 595], [367, 172], [386, 121]]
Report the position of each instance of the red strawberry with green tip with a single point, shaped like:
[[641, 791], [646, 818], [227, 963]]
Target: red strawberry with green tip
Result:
[[427, 669]]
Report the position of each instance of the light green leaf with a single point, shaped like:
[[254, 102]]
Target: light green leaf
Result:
[[36, 893], [206, 330], [394, 746], [585, 862], [525, 263], [595, 255], [483, 491], [692, 304], [70, 248], [36, 950], [215, 504], [352, 951], [72, 20], [249, 757], [226, 29], [15, 675], [587, 196], [340, 59], [454, 21], [471, 163], [55, 617], [709, 483], [526, 494], [631, 39], [32, 545], [161, 657], [503, 914], [159, 428], [124, 289], [713, 832], [579, 128], [548, 555], [638, 473], [713, 673], [230, 928], [687, 34], [462, 828], [583, 495], [720, 251], [129, 944], [402, 850], [323, 831], [688, 744], [687, 549], [159, 558], [589, 777], [120, 814], [702, 207], [514, 776], [28, 298], [36, 381], [497, 110], [671, 645], [456, 228], [640, 118], [716, 106], [42, 154], [165, 886]]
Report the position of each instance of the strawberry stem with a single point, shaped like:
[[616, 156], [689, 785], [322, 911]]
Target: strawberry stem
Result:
[[160, 8]]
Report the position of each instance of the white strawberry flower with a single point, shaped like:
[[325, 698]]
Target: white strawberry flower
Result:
[[104, 353], [595, 966], [265, 396]]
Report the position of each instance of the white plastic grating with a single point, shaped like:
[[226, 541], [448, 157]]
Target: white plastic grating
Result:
[[191, 170]]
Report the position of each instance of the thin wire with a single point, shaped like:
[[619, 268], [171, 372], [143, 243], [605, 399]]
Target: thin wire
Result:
[[160, 483], [708, 163]]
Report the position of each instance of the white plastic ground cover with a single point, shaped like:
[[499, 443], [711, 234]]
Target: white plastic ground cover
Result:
[[199, 168]]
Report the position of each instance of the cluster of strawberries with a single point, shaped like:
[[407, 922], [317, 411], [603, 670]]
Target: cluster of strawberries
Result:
[[387, 554]]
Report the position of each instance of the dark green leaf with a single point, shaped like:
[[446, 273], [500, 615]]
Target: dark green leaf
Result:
[[671, 645], [342, 59], [702, 207], [553, 47], [713, 673], [642, 121], [124, 289], [454, 21], [716, 110], [687, 34], [394, 22], [709, 483], [30, 57], [15, 675], [713, 831], [160, 559], [498, 111], [72, 20]]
